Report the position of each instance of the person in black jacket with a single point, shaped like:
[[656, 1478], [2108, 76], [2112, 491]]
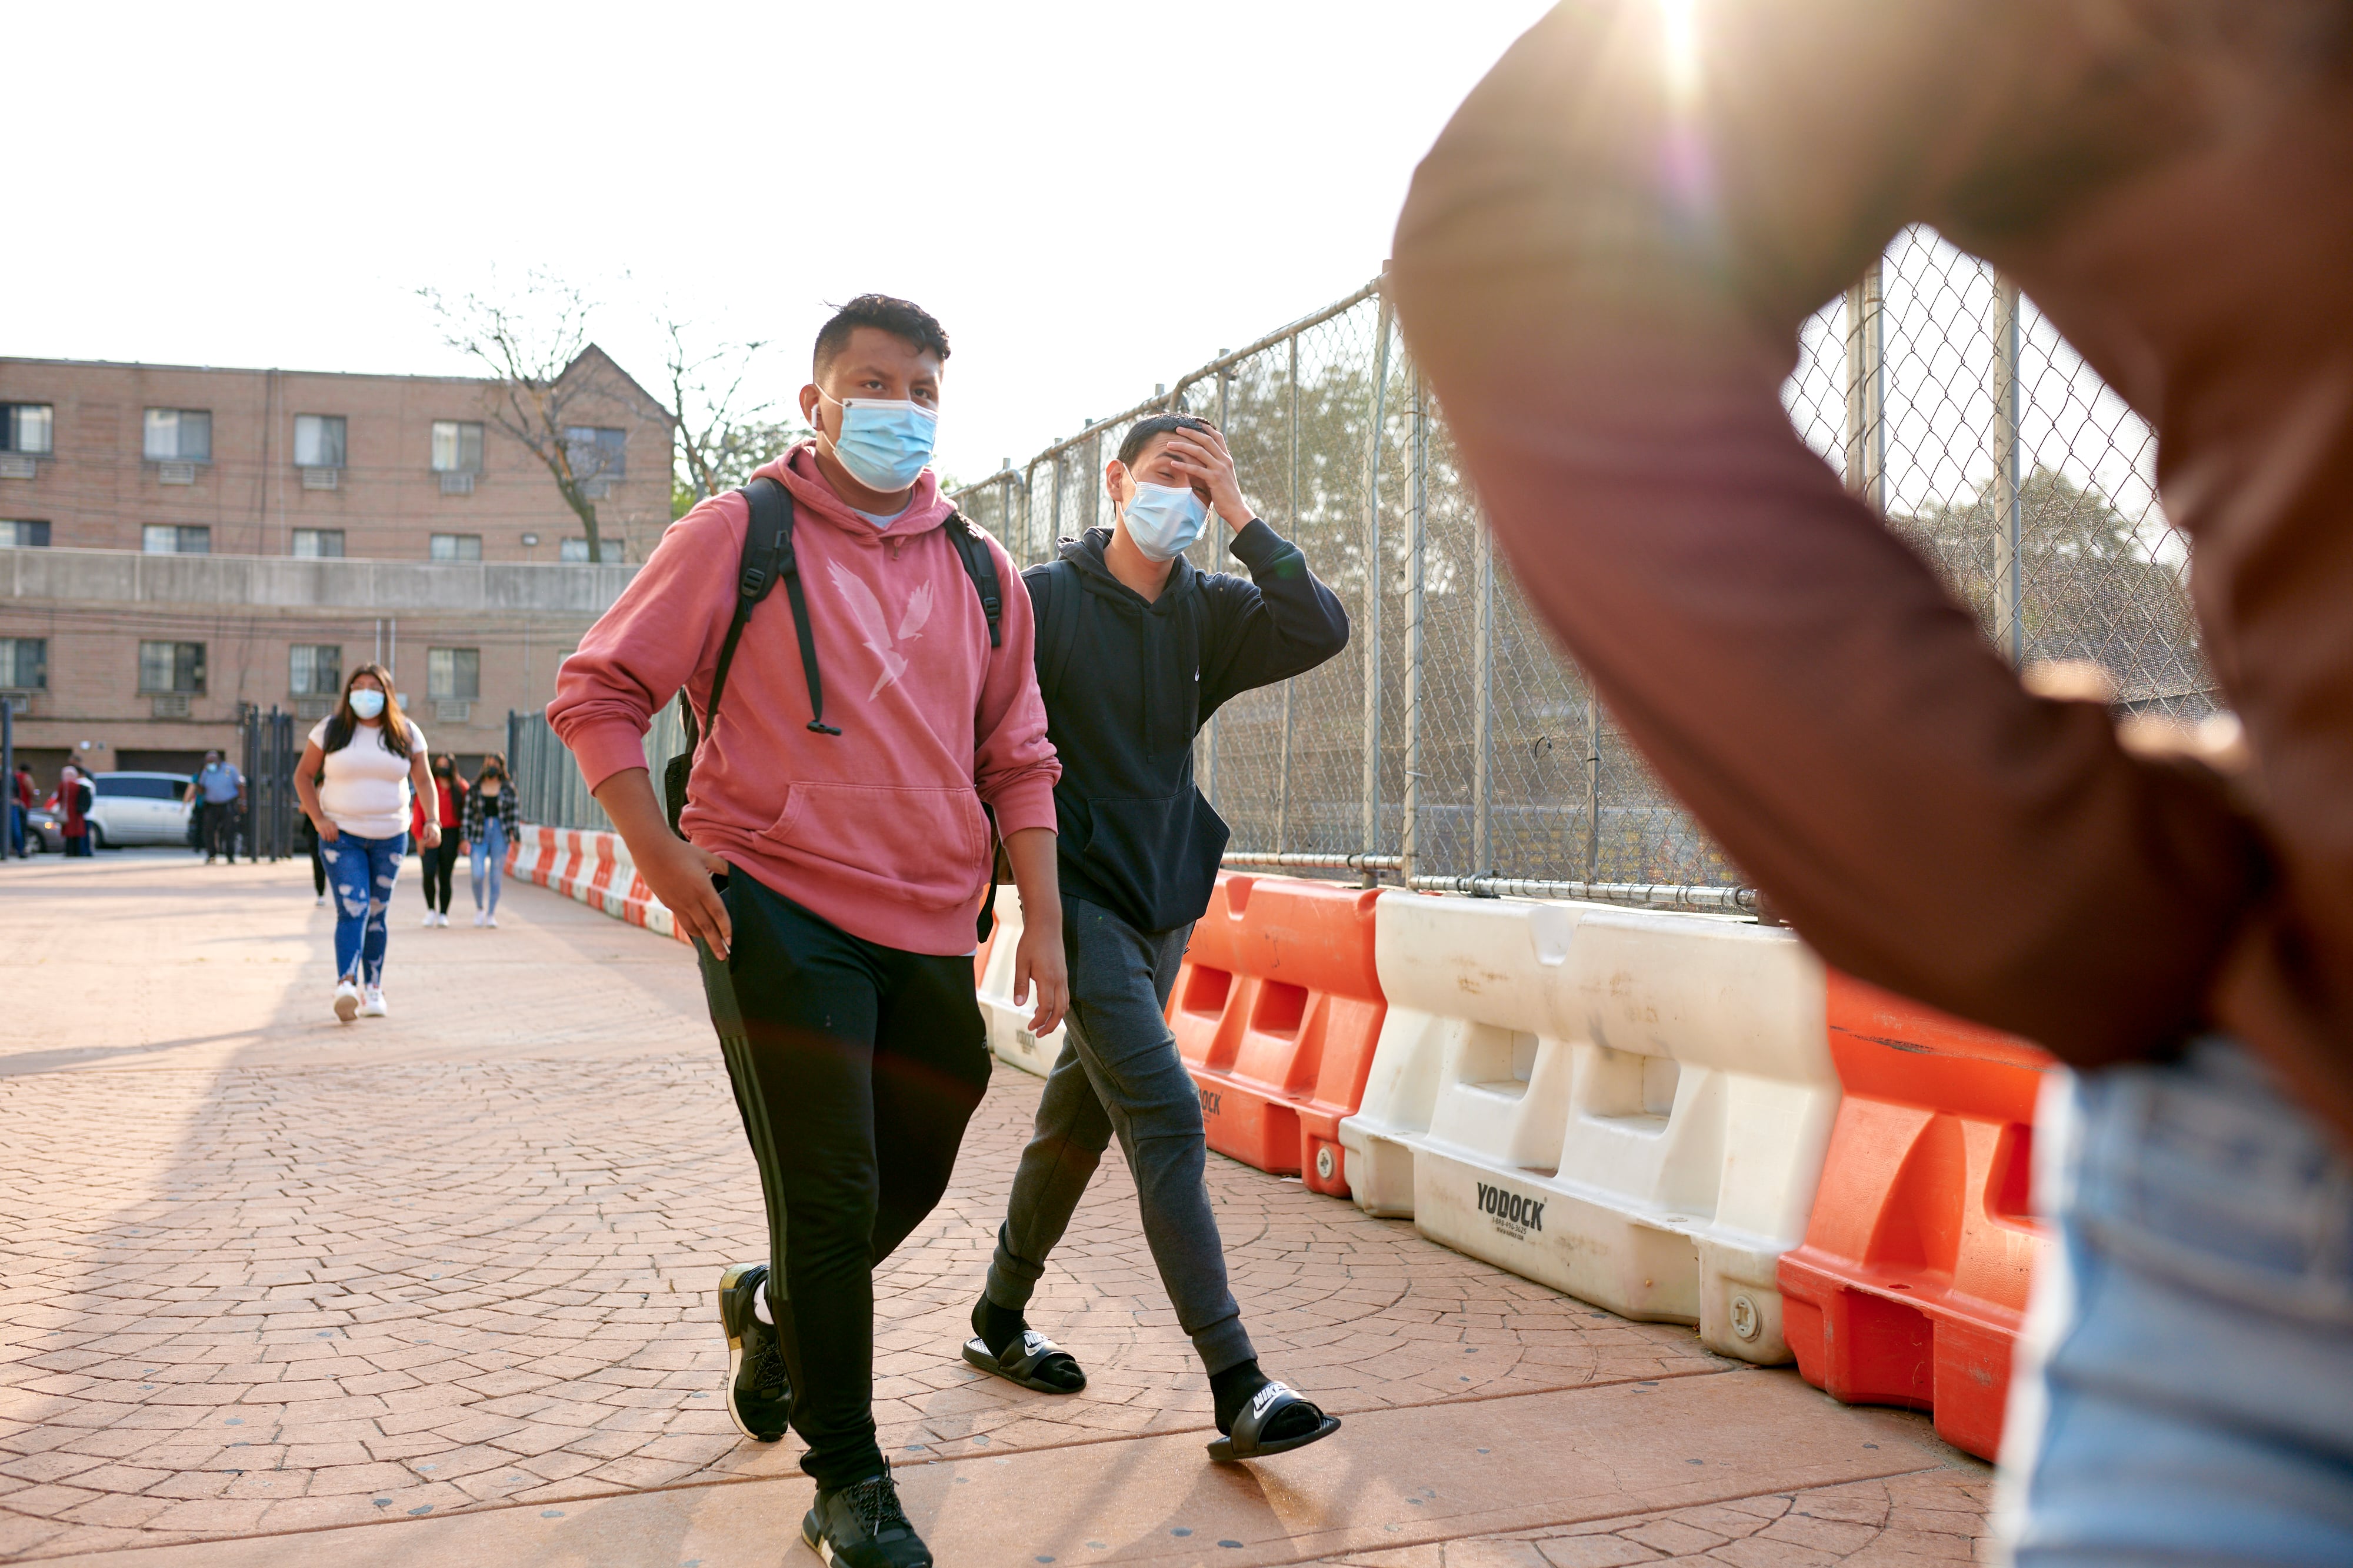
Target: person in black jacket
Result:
[[1135, 650]]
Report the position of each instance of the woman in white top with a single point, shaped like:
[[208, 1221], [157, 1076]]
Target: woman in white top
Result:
[[354, 781]]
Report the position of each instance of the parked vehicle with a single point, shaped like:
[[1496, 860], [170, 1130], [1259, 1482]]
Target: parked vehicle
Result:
[[128, 809]]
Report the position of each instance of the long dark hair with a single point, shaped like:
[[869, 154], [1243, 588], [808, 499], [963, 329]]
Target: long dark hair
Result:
[[342, 723], [493, 763]]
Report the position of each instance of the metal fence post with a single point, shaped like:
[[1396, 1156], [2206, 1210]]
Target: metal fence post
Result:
[[1283, 801], [1592, 782], [1416, 542], [1866, 391], [1054, 511], [2009, 569], [1225, 385], [1482, 701], [1372, 785]]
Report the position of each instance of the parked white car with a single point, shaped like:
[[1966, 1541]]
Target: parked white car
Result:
[[136, 809]]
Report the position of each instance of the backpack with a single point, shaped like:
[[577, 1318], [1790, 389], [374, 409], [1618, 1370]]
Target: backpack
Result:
[[768, 555], [1055, 593]]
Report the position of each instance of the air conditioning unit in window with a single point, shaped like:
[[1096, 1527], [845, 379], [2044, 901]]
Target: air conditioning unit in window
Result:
[[313, 708], [320, 478], [172, 705], [175, 473], [14, 466], [453, 712], [457, 484], [18, 702]]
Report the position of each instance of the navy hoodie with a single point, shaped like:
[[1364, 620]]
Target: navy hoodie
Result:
[[1139, 680]]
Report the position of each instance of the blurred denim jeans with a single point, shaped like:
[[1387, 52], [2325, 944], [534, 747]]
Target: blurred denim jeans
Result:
[[2184, 1386]]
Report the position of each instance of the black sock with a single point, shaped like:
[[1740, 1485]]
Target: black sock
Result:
[[997, 1326], [1232, 1390]]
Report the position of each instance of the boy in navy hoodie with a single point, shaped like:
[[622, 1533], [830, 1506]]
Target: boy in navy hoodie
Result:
[[1135, 650]]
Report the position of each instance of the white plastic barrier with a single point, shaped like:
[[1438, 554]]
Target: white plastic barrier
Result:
[[594, 868], [1630, 1107], [1009, 1034]]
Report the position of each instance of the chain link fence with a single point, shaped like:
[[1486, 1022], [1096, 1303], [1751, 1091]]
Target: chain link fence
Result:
[[1453, 746]]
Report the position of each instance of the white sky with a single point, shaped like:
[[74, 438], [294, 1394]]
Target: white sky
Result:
[[1091, 197]]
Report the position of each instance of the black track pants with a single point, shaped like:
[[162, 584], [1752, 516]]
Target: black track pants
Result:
[[856, 1068]]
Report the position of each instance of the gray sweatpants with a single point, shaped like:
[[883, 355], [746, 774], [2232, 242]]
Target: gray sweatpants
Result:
[[1119, 1072]]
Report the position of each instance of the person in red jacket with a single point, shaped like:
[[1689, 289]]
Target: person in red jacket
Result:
[[439, 861], [836, 851], [74, 798]]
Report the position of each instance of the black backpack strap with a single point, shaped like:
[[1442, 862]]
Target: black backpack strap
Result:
[[1056, 591], [981, 567], [767, 557]]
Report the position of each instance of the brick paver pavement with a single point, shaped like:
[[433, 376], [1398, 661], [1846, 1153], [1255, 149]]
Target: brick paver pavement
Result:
[[266, 1272]]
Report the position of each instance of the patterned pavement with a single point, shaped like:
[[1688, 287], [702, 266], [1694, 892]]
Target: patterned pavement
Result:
[[266, 1273]]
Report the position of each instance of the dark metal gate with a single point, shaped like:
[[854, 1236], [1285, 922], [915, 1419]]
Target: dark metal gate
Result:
[[269, 752]]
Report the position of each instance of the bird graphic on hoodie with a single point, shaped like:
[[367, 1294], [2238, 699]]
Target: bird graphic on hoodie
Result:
[[874, 627]]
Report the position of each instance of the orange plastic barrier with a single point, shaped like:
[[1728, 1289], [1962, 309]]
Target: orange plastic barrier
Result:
[[1277, 1011], [1912, 1282]]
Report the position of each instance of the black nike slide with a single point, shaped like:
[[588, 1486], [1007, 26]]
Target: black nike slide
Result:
[[1246, 1444], [1022, 1361]]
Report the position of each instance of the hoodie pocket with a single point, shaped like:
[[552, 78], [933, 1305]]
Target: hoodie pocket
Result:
[[927, 846], [1162, 853]]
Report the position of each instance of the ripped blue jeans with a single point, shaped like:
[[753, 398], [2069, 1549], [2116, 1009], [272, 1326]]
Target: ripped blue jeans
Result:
[[362, 871]]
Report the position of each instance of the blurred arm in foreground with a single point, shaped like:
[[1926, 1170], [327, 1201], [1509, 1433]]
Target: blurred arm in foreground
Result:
[[1602, 268]]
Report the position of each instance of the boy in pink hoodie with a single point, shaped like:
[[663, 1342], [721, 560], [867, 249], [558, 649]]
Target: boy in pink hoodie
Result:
[[832, 867]]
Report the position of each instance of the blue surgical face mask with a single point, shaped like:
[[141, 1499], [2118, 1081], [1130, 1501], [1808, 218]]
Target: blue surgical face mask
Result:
[[884, 443], [367, 702], [1165, 519]]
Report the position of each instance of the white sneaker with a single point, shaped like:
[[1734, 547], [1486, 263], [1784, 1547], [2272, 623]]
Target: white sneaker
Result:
[[428, 920], [372, 1007], [347, 1001], [492, 921], [323, 900], [481, 918]]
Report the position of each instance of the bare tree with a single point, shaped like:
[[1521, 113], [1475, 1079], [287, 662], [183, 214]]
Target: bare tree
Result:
[[722, 435], [554, 385]]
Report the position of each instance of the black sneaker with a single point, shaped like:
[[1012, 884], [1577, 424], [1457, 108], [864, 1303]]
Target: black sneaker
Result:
[[759, 1391], [862, 1526]]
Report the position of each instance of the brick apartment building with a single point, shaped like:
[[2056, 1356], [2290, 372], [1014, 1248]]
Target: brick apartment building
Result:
[[338, 519]]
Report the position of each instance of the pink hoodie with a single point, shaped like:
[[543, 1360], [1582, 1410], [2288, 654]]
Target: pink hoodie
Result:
[[879, 829]]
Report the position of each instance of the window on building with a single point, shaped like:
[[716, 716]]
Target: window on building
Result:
[[179, 435], [315, 670], [595, 453], [453, 674], [457, 447], [577, 551], [30, 429], [176, 538], [23, 535], [24, 664], [169, 666], [319, 543], [318, 440], [457, 547]]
